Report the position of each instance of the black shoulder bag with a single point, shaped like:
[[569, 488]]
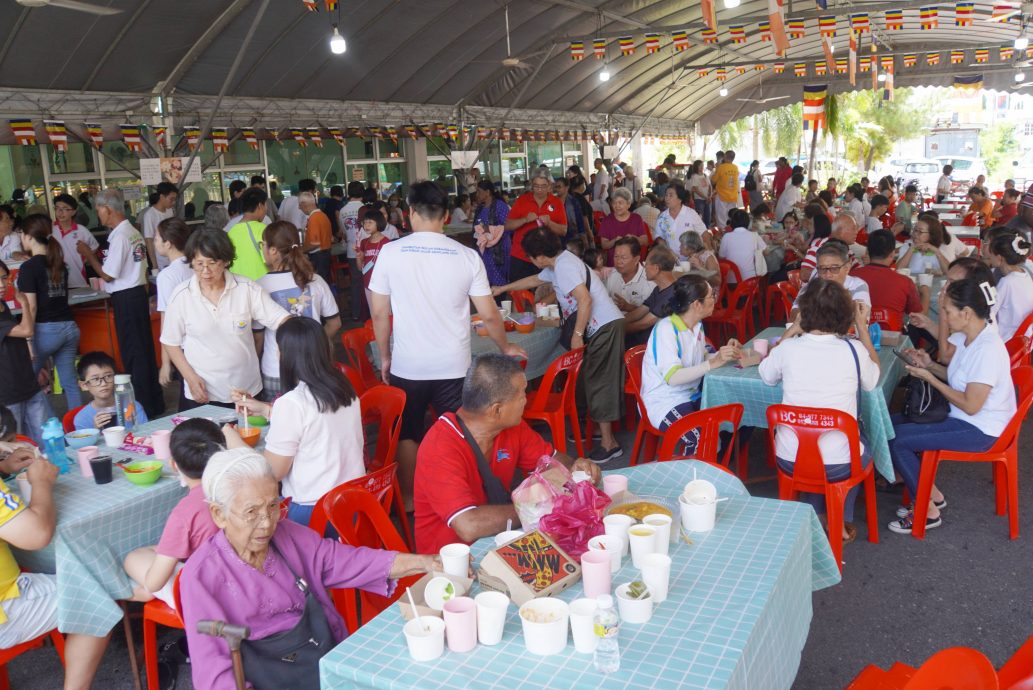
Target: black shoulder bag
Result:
[[493, 489], [567, 329], [923, 404]]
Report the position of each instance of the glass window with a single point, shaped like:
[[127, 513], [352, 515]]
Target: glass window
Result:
[[549, 153], [514, 172], [435, 146], [509, 146], [388, 148], [366, 173], [288, 163], [441, 172], [133, 191], [118, 158], [77, 159], [21, 168], [359, 149], [240, 153], [199, 193], [393, 179]]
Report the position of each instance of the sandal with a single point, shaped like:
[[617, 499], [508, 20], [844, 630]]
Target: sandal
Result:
[[903, 511], [904, 524], [851, 533]]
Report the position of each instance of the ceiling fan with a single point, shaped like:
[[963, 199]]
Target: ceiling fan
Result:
[[510, 61], [70, 5], [760, 97]]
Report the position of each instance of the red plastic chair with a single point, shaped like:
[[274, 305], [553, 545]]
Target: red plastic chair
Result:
[[355, 342], [551, 405], [156, 612], [809, 424], [9, 654], [630, 387], [709, 422], [738, 315], [382, 484], [957, 668], [776, 299], [793, 277], [383, 407], [888, 319], [1018, 350], [523, 301], [729, 268], [68, 421], [1004, 454], [360, 520], [354, 378], [645, 432], [1017, 672]]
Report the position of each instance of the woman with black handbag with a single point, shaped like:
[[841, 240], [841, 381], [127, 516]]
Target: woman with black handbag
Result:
[[977, 383]]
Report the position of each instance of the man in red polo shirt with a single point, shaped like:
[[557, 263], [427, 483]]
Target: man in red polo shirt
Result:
[[888, 289], [450, 497], [535, 209]]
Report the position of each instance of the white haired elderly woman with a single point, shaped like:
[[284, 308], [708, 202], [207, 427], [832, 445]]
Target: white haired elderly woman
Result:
[[535, 209], [272, 576], [621, 223]]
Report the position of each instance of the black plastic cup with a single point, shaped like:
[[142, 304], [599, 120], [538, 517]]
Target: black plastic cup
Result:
[[102, 468]]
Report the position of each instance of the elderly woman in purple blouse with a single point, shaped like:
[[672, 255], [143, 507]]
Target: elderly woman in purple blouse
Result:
[[272, 576]]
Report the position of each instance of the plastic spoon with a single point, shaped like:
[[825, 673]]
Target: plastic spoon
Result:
[[412, 603]]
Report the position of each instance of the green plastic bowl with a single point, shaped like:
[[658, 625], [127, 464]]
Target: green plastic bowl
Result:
[[255, 420], [143, 473]]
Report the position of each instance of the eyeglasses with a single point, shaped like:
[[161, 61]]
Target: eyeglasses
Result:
[[541, 187], [831, 269], [202, 266], [99, 380], [254, 516], [63, 209]]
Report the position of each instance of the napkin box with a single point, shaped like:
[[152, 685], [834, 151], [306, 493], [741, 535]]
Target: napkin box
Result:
[[528, 567], [419, 595]]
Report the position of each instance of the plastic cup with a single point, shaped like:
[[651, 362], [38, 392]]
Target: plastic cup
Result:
[[582, 628], [662, 524], [114, 435], [700, 488], [507, 536], [554, 311], [595, 573], [656, 574], [925, 280], [546, 632], [492, 608], [460, 616], [634, 611], [425, 636], [610, 544], [507, 306], [25, 489], [684, 266], [87, 453], [101, 468], [617, 525], [904, 271], [643, 541], [614, 484], [160, 442], [697, 514], [761, 347], [455, 559]]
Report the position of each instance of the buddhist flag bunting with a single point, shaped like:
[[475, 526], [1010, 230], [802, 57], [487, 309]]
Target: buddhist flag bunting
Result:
[[316, 136], [24, 132], [161, 135], [1004, 12], [709, 36], [963, 13], [765, 30], [577, 50], [800, 69], [866, 63], [842, 65], [599, 48], [337, 134], [759, 67], [814, 105], [681, 40], [721, 73], [193, 135], [820, 69], [932, 59], [860, 23], [827, 25], [894, 20], [738, 33], [779, 67], [96, 134], [652, 43], [777, 20], [974, 82], [709, 14], [957, 57], [887, 64], [311, 5], [331, 5], [910, 60], [797, 28], [131, 137], [703, 73], [298, 135], [453, 133], [627, 45], [440, 130], [982, 55], [250, 137], [58, 134], [853, 59], [1006, 53], [393, 133], [220, 141], [928, 17], [741, 69]]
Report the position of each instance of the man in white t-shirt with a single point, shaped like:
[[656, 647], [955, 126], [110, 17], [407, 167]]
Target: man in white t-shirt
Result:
[[163, 208], [351, 224], [944, 184], [628, 285], [426, 282], [289, 207], [601, 185]]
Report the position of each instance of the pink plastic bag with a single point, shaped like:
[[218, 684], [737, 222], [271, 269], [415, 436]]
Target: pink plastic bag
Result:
[[576, 517], [535, 496]]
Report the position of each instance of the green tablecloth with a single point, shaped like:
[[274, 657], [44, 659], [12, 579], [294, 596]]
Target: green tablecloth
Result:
[[730, 385]]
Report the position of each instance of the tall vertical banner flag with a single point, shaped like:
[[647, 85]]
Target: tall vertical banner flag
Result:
[[853, 59], [827, 25], [709, 14], [887, 87], [627, 45], [776, 18], [131, 137], [894, 20], [875, 67], [928, 17], [58, 134], [599, 48], [963, 13], [23, 131], [577, 50], [250, 137], [161, 135], [681, 40], [96, 134], [814, 105], [652, 43]]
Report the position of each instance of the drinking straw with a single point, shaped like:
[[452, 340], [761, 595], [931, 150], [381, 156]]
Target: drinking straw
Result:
[[412, 603]]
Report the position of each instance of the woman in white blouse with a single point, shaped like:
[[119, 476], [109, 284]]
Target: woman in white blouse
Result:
[[1008, 254], [822, 368], [921, 254], [854, 198], [977, 383], [677, 218]]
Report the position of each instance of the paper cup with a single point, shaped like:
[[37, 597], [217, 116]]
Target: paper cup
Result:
[[554, 311], [425, 636], [697, 516], [614, 484], [662, 524], [25, 489], [760, 347], [925, 279], [634, 611], [656, 574], [546, 632], [700, 488], [160, 442], [582, 627], [460, 616], [610, 544], [684, 266], [617, 525], [85, 454], [455, 559], [507, 306], [492, 608], [114, 435], [642, 539], [505, 537], [904, 271], [595, 573]]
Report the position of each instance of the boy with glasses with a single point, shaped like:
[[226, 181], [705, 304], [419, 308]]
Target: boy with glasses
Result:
[[97, 377]]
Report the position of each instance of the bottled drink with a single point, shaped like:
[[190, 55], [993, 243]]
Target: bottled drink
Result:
[[875, 332], [54, 444], [607, 658], [125, 401]]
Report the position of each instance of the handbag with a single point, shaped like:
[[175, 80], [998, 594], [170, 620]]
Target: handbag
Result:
[[567, 328], [923, 404], [289, 660], [492, 485]]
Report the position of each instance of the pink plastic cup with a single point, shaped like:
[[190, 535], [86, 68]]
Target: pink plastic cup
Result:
[[761, 347], [160, 442], [460, 616], [595, 573], [87, 453], [613, 484]]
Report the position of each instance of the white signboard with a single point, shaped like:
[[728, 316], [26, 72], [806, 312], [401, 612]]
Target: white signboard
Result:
[[463, 159], [156, 170]]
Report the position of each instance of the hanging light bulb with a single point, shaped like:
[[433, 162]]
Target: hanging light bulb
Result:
[[337, 44], [730, 4], [1020, 76], [723, 92], [1021, 43], [605, 74]]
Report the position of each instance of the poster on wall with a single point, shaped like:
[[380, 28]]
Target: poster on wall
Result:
[[157, 170]]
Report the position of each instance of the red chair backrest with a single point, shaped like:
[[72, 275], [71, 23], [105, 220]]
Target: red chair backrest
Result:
[[888, 319], [729, 268], [633, 364], [793, 277], [1018, 349], [68, 421], [709, 422], [568, 364], [175, 594], [1022, 377], [787, 294], [1017, 672], [383, 405], [1026, 324], [810, 424], [355, 341], [523, 301], [957, 668], [353, 376], [745, 291], [20, 438]]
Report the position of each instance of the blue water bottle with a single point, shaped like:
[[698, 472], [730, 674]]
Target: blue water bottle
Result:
[[875, 332], [54, 444]]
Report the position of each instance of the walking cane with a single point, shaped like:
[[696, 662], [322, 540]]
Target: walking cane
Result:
[[233, 634]]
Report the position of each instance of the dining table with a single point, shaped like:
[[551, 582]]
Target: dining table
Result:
[[736, 617], [731, 384]]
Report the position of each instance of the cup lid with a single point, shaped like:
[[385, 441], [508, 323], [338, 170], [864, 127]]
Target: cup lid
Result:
[[123, 378]]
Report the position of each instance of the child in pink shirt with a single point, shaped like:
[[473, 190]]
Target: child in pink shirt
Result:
[[374, 224], [153, 568]]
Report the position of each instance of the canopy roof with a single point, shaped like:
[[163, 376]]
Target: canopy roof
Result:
[[431, 58]]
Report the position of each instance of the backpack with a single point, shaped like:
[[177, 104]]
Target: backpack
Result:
[[750, 183]]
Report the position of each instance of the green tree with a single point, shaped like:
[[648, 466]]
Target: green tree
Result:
[[999, 146]]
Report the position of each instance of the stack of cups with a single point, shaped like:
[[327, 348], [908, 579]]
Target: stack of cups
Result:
[[460, 616], [698, 506], [609, 544], [617, 525], [595, 573]]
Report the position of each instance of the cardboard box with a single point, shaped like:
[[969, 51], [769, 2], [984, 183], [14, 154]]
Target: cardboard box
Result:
[[418, 595], [528, 567]]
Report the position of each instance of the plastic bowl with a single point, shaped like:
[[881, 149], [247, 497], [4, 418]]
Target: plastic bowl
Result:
[[250, 436], [143, 473], [525, 322], [82, 438], [255, 420]]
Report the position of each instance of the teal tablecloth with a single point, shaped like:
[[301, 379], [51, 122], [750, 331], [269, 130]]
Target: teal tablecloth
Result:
[[730, 385], [737, 614], [97, 525]]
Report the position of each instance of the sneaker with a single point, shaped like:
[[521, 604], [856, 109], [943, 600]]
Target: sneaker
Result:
[[902, 511], [600, 455], [596, 435], [904, 524]]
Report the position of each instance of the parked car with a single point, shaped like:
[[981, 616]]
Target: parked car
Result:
[[966, 169], [923, 172]]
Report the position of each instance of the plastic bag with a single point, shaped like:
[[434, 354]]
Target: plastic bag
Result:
[[576, 517], [535, 496]]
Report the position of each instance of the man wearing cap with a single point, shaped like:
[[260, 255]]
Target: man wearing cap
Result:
[[1023, 220]]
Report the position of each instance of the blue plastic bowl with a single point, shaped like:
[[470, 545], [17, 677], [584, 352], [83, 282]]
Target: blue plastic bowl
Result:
[[81, 438]]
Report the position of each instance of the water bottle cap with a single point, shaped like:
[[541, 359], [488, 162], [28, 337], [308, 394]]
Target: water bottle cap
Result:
[[123, 378], [604, 601]]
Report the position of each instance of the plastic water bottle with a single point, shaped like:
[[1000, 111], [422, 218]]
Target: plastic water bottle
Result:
[[54, 444], [125, 401], [875, 332], [607, 658]]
